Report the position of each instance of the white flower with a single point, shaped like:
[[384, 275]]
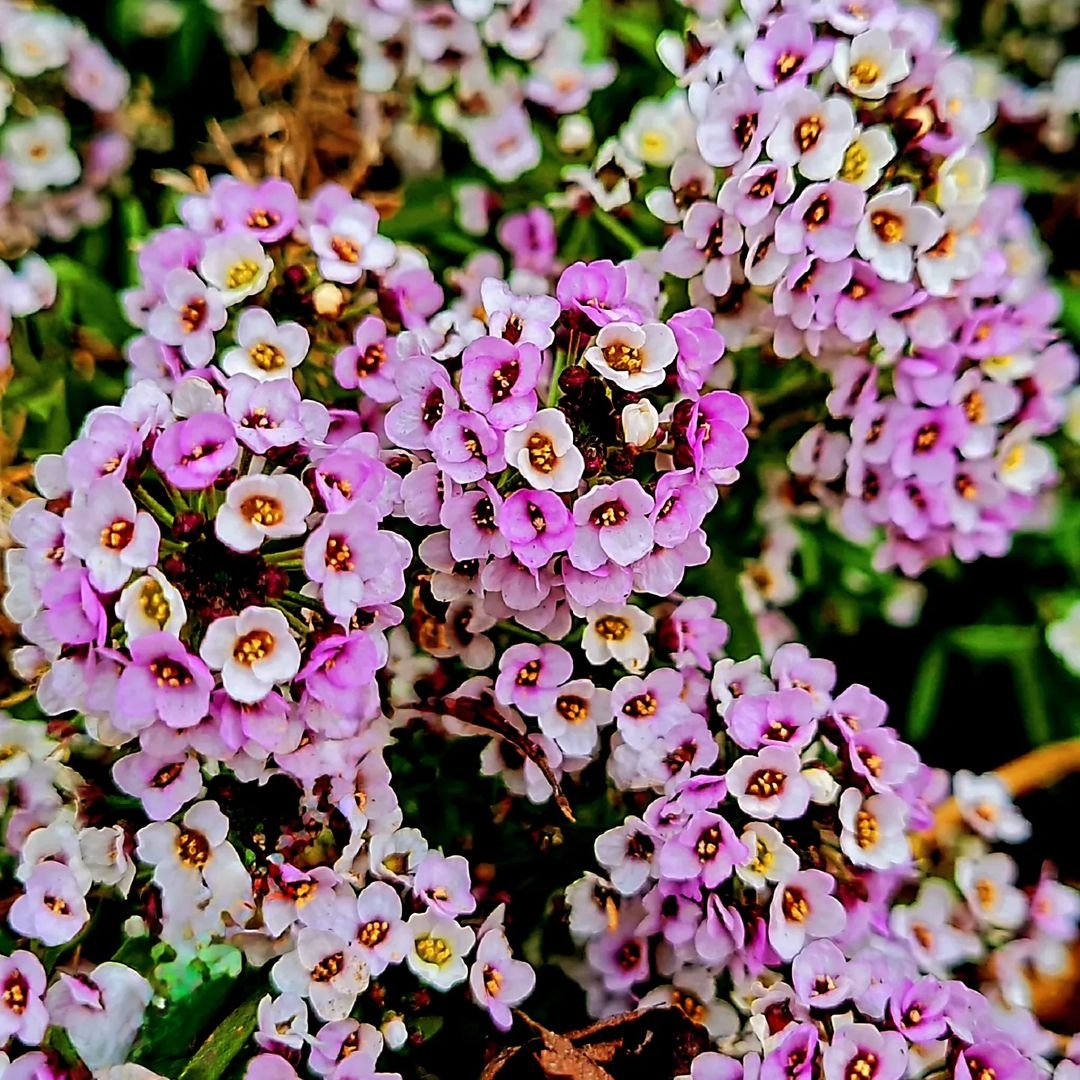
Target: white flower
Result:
[[656, 132], [812, 133], [870, 64], [38, 153], [440, 946], [309, 18], [195, 856], [571, 716], [253, 651], [543, 451], [988, 807], [987, 884], [104, 855], [873, 832], [893, 228], [955, 257], [34, 42], [395, 856], [151, 604], [236, 265], [261, 508], [1063, 637], [607, 181], [866, 157], [962, 182], [631, 356], [575, 134], [617, 631], [264, 349], [1022, 464], [326, 969], [770, 858]]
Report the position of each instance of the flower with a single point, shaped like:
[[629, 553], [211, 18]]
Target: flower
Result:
[[497, 980], [437, 956], [253, 651], [264, 507], [265, 350], [23, 1014], [633, 357], [543, 451], [324, 968]]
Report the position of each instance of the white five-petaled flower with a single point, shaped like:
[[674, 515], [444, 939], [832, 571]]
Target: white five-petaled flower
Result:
[[631, 356], [617, 631], [265, 507], [439, 948], [893, 229], [326, 969], [265, 349], [543, 451], [254, 651], [236, 265], [38, 153], [871, 64]]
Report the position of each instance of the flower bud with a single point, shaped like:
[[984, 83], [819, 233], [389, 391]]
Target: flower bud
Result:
[[824, 790], [328, 299], [639, 423], [575, 134], [394, 1031]]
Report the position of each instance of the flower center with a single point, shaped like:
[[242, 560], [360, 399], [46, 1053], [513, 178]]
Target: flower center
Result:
[[865, 72], [503, 380], [766, 783], [433, 950], [166, 775], [763, 858], [328, 967], [787, 64], [267, 357], [573, 710], [56, 905], [169, 673], [371, 359], [817, 213], [529, 674], [629, 955], [623, 357], [612, 628], [345, 249], [986, 891], [242, 273], [262, 219], [192, 314], [15, 994], [708, 844], [763, 186], [153, 604], [807, 133], [608, 515], [866, 829], [118, 535], [856, 163], [926, 438], [975, 407], [641, 706], [542, 456], [338, 555], [796, 906], [262, 510], [373, 932], [863, 1066], [193, 849], [888, 226], [253, 646], [744, 129]]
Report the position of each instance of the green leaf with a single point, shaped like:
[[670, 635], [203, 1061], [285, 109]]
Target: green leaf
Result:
[[1070, 307], [1030, 689], [225, 1042], [928, 689], [1032, 177]]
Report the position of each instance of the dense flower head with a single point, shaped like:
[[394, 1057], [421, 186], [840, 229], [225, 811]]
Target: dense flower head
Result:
[[484, 62], [831, 198], [63, 141]]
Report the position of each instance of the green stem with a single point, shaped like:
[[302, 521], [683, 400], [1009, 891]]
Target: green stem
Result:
[[292, 559], [155, 508], [296, 623], [560, 364], [617, 229]]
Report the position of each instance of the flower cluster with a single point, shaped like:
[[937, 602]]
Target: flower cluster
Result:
[[771, 891], [484, 62], [61, 136], [831, 200]]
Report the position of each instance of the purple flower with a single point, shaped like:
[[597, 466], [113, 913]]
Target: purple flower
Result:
[[863, 1050], [497, 980], [368, 363], [612, 523], [498, 379], [161, 784], [537, 526], [163, 682], [107, 532], [999, 1058], [270, 209], [823, 978], [22, 1012], [466, 447], [527, 674], [272, 414], [751, 195], [193, 453], [52, 908], [919, 1009], [794, 1057], [879, 756], [530, 238], [572, 715], [787, 51], [520, 320], [188, 316], [733, 123], [716, 432], [341, 666], [620, 958], [596, 290], [802, 908], [705, 851], [786, 717], [426, 393], [822, 220], [770, 784]]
